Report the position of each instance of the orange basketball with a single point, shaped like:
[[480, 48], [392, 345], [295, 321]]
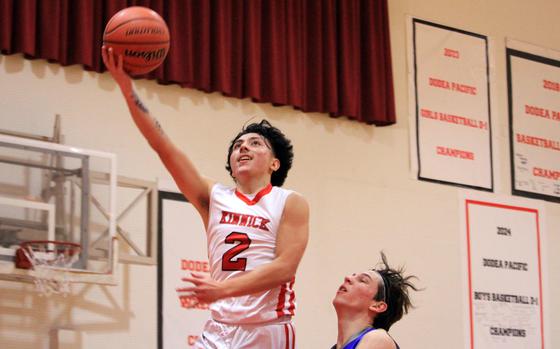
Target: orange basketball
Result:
[[141, 36]]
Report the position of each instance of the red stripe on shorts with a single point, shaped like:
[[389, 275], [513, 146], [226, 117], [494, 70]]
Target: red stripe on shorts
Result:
[[293, 336], [290, 340], [286, 332]]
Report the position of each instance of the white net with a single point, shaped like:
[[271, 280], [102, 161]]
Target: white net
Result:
[[51, 262]]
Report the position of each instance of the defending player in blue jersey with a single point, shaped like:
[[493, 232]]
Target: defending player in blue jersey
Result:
[[367, 304]]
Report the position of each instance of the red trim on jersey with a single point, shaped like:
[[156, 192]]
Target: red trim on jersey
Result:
[[281, 309], [281, 301], [292, 305], [257, 197]]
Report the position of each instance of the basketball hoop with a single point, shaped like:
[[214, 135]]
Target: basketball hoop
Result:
[[50, 262]]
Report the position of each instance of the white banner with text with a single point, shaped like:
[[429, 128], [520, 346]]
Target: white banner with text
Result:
[[534, 111], [450, 126], [503, 272]]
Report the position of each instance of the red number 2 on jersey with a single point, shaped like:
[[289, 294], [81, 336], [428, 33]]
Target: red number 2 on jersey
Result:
[[229, 262]]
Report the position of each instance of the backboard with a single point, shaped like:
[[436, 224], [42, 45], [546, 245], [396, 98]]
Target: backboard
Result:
[[51, 191]]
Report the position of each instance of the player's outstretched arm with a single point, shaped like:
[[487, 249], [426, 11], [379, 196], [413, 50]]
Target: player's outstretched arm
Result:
[[291, 242], [195, 188]]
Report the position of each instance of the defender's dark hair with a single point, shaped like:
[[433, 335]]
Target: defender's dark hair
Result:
[[281, 148], [393, 289]]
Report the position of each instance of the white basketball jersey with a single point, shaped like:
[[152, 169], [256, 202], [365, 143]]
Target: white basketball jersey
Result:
[[241, 237]]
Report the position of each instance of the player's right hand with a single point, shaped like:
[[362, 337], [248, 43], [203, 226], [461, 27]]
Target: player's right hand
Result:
[[116, 69], [205, 289]]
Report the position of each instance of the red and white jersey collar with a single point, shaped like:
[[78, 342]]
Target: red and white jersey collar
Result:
[[257, 197]]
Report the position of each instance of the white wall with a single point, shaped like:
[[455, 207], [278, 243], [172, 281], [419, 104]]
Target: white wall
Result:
[[356, 177]]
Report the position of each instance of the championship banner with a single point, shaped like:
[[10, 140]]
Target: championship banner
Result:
[[181, 250], [534, 116], [503, 273], [451, 137]]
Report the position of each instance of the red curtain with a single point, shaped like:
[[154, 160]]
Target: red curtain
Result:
[[329, 56]]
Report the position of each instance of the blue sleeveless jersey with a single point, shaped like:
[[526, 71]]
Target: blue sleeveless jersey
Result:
[[354, 342]]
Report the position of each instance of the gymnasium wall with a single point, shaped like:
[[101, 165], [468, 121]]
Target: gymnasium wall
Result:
[[357, 179]]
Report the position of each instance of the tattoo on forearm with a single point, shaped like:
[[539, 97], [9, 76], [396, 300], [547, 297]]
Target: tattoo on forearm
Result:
[[158, 127], [142, 107], [139, 103]]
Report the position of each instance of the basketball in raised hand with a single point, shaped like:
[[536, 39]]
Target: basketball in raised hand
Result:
[[141, 36]]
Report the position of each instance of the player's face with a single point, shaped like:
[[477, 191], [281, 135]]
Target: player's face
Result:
[[252, 155], [357, 291]]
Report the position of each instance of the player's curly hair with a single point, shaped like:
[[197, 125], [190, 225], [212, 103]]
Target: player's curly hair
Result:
[[393, 289], [281, 148]]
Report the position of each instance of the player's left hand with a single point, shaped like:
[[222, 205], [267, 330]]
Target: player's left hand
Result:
[[205, 289], [114, 65]]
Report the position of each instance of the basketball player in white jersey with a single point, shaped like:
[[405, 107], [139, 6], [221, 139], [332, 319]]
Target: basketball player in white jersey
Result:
[[257, 232]]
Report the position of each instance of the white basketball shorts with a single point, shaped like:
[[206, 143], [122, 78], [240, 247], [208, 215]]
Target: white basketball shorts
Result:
[[277, 335]]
